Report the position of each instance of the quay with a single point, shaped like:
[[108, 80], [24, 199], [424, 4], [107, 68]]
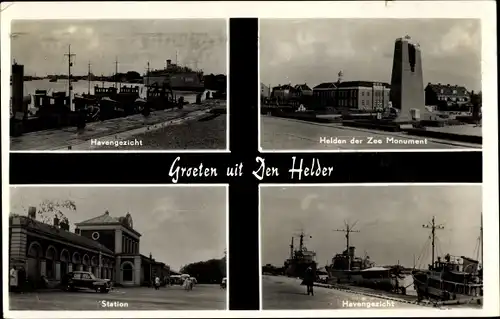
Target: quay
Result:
[[72, 138]]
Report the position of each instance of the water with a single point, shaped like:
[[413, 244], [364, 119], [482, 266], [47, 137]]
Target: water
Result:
[[82, 87]]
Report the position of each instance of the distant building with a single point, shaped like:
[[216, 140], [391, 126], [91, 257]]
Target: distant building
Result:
[[362, 95], [265, 91], [302, 90], [283, 92], [451, 94]]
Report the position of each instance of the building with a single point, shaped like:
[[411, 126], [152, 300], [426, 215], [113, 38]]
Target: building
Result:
[[451, 94], [361, 95], [265, 91], [283, 92], [302, 90], [107, 246]]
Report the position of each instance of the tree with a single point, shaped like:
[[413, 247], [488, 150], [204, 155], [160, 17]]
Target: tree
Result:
[[209, 271], [49, 209]]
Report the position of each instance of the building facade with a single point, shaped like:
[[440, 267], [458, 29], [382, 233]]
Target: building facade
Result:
[[451, 94], [361, 95], [265, 91], [108, 247]]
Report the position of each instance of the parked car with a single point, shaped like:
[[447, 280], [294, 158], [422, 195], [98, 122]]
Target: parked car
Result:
[[85, 280]]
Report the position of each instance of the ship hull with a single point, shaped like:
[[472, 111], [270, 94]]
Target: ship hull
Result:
[[426, 291], [184, 83]]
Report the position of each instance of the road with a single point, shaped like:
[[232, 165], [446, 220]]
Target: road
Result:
[[289, 134], [282, 293], [202, 297]]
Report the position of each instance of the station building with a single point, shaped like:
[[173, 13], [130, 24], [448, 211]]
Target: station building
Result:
[[107, 246]]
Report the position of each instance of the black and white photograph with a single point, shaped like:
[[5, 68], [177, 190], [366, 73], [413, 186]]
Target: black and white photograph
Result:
[[117, 248], [372, 246], [365, 84], [107, 85]]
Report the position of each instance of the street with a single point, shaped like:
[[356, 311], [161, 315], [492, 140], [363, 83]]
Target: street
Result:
[[288, 134], [281, 293], [202, 297]]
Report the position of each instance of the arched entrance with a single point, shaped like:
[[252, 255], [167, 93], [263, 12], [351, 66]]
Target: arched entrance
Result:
[[127, 271], [86, 262], [64, 258], [76, 260], [95, 266], [50, 263], [34, 255]]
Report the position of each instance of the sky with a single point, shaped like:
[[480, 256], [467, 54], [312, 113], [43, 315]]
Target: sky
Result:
[[41, 44], [389, 220], [175, 228], [314, 51]]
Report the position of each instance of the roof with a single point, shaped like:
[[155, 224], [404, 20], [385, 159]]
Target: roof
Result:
[[283, 87], [102, 219], [303, 87], [50, 230], [362, 84], [106, 219], [376, 269], [326, 85], [447, 89]]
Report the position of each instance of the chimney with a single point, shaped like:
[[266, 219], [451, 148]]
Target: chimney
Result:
[[56, 222], [32, 212]]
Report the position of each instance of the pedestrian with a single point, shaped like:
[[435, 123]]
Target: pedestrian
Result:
[[157, 283], [309, 280], [13, 282]]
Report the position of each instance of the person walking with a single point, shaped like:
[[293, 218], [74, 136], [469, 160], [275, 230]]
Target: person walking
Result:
[[309, 280], [157, 283], [13, 281]]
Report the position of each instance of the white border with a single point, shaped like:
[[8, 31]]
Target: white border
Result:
[[95, 11], [110, 313], [483, 10], [490, 241]]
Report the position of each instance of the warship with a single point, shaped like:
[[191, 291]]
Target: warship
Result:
[[178, 78], [450, 278], [300, 259]]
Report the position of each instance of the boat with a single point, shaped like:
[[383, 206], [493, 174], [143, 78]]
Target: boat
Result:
[[346, 267], [178, 78], [449, 278], [300, 259]]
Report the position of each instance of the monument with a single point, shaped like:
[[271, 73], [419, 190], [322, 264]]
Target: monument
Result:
[[407, 84]]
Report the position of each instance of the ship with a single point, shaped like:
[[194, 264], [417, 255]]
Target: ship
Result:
[[300, 259], [450, 278], [346, 267], [178, 78]]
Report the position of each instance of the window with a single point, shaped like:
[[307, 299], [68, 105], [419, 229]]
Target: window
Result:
[[442, 91], [77, 276], [362, 102], [86, 276], [362, 93], [454, 91], [367, 93]]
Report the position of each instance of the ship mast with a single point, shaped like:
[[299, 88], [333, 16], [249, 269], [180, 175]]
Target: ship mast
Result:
[[291, 249], [481, 240], [116, 72], [88, 78], [348, 230], [70, 64], [433, 226]]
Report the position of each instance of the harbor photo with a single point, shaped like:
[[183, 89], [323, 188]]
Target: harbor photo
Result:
[[117, 248], [390, 247], [370, 84], [111, 85]]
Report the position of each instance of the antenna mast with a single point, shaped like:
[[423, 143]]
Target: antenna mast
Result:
[[433, 226], [348, 230], [70, 64], [88, 77], [116, 72], [291, 249]]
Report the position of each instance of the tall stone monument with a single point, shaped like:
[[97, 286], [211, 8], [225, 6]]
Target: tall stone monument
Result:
[[407, 84]]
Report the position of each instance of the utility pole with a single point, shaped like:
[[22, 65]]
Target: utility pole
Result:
[[116, 72], [433, 226], [88, 77], [481, 240], [70, 64], [102, 80], [147, 83], [176, 54], [348, 230]]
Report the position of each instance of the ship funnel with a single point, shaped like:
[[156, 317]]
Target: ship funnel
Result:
[[352, 251], [169, 62]]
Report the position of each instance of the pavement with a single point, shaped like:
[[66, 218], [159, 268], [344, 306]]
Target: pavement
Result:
[[284, 293], [114, 129], [202, 297], [289, 134]]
